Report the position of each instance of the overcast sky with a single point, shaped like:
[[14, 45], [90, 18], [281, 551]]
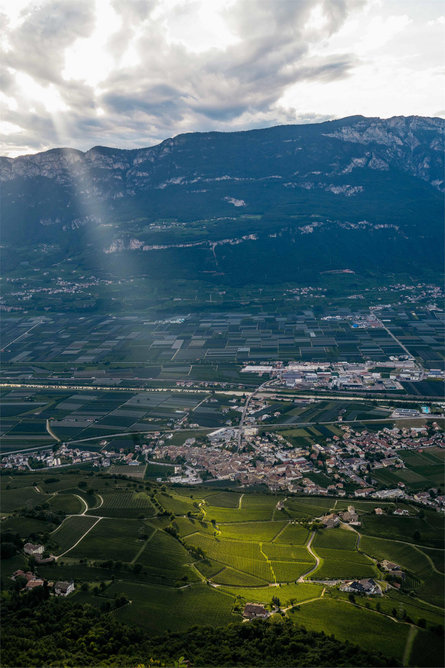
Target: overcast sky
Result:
[[130, 73]]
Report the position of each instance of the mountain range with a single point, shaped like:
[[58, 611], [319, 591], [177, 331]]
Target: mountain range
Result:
[[279, 204]]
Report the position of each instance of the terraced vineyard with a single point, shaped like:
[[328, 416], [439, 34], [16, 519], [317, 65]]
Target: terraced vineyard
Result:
[[205, 552]]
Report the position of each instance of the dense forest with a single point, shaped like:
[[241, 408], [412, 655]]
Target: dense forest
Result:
[[42, 631]]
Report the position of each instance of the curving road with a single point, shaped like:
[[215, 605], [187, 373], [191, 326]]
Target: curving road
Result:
[[311, 552]]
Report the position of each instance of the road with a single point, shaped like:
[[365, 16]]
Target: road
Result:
[[396, 339], [22, 335], [81, 538], [244, 413], [205, 429], [317, 559], [279, 392], [50, 431]]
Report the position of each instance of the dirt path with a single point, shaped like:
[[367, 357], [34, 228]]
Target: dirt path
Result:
[[83, 502], [100, 504], [240, 501], [50, 432], [311, 552], [280, 532], [269, 563], [409, 644], [427, 556], [309, 600], [136, 557], [80, 539], [350, 528]]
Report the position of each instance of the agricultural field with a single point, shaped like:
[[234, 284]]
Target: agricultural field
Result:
[[201, 551], [124, 504], [24, 497], [69, 532], [348, 622], [152, 606], [137, 472], [427, 530], [256, 531], [115, 539], [304, 508], [423, 576], [423, 470], [66, 503]]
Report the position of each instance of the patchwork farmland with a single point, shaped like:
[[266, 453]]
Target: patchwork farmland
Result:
[[207, 551]]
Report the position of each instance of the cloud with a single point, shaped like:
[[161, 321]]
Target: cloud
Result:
[[133, 72]]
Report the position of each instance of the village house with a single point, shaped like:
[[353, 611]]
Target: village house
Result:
[[350, 516], [330, 521], [63, 588], [255, 611], [367, 586], [33, 550], [393, 569]]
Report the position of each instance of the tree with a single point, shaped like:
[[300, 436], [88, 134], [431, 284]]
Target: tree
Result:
[[276, 601], [7, 550]]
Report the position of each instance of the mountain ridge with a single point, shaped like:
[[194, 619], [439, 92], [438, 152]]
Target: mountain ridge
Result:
[[353, 117], [363, 193]]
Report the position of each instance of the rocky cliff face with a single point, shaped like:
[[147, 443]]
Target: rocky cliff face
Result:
[[334, 179], [413, 145]]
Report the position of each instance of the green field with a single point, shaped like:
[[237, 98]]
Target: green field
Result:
[[293, 534], [249, 546], [254, 507], [115, 539], [288, 594], [428, 531], [302, 508], [224, 499], [137, 472], [229, 577], [343, 564], [124, 504], [23, 497], [69, 532], [338, 538], [165, 557], [348, 622], [66, 503], [160, 608], [256, 531]]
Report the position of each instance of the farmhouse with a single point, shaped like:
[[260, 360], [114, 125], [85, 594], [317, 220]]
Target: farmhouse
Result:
[[31, 584], [28, 575], [63, 588], [350, 516], [33, 550], [389, 565], [255, 611], [367, 586], [330, 521]]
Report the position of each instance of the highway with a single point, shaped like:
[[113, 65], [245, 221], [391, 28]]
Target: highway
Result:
[[282, 392]]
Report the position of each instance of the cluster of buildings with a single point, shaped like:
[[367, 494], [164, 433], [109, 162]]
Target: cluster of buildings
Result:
[[350, 462], [47, 459], [30, 580], [364, 376], [413, 294]]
